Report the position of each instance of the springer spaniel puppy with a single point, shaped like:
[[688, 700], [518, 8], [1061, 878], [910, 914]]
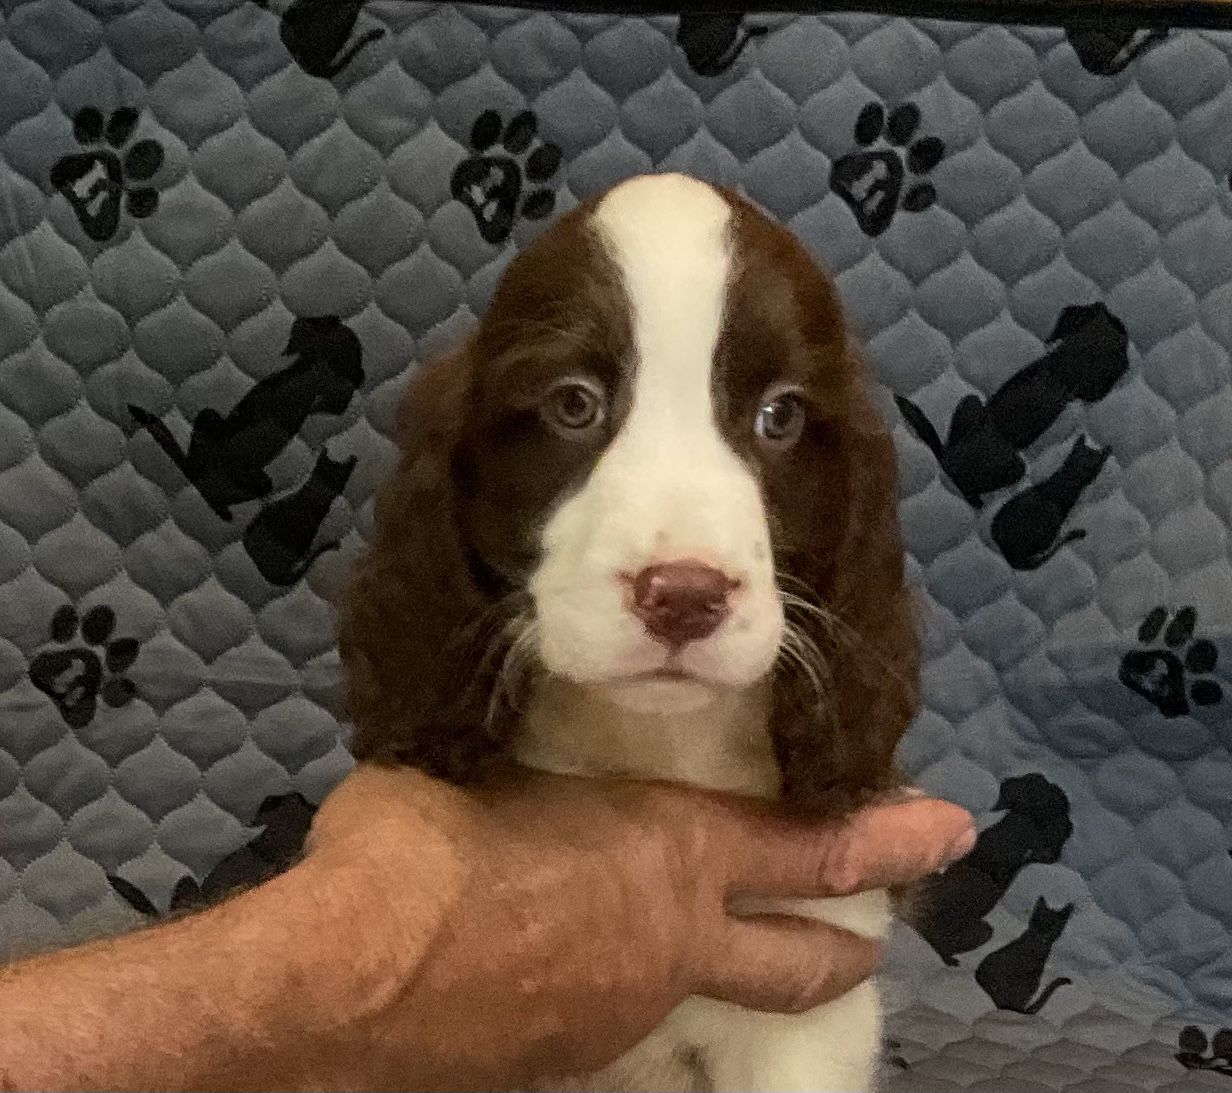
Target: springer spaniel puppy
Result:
[[645, 524]]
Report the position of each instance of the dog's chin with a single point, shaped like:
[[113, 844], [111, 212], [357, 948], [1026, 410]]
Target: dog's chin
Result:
[[664, 693]]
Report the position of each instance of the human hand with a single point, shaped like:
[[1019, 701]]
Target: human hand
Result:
[[547, 924]]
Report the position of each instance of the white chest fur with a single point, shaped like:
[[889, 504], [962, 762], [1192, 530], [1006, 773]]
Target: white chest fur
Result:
[[704, 1044]]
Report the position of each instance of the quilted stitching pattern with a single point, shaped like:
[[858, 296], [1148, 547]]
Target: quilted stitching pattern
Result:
[[1038, 185], [1103, 1050]]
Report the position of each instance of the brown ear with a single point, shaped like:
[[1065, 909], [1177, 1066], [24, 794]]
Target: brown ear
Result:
[[419, 638], [836, 754]]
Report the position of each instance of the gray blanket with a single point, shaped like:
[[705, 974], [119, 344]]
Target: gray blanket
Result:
[[229, 229]]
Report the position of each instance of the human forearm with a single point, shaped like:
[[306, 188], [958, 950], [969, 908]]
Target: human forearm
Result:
[[440, 939], [272, 989]]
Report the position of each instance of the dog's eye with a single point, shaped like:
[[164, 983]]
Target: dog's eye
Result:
[[574, 407], [780, 420]]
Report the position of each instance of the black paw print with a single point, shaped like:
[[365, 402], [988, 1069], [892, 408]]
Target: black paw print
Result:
[[98, 182], [73, 677], [1161, 676], [493, 187], [1194, 1047], [873, 183]]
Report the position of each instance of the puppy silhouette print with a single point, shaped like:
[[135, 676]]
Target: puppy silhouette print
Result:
[[227, 454], [713, 42], [285, 820], [1109, 50], [1088, 353], [1035, 828], [316, 33], [1011, 976]]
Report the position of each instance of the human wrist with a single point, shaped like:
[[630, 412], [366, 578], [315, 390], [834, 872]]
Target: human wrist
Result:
[[372, 908], [309, 979]]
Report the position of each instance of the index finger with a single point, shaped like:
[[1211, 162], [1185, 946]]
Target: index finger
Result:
[[881, 846]]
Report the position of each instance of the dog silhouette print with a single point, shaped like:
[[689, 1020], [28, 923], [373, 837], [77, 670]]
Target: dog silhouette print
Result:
[[1109, 49], [316, 32], [227, 455], [279, 539], [1011, 976], [1088, 353], [1034, 828], [285, 820], [713, 42]]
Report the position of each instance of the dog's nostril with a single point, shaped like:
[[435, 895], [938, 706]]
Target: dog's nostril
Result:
[[680, 602]]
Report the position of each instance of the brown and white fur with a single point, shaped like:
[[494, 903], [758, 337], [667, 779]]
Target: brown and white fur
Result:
[[532, 588]]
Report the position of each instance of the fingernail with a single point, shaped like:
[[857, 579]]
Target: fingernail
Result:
[[960, 847]]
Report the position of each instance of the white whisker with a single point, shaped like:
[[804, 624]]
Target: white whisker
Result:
[[801, 654], [517, 659], [837, 629], [494, 611]]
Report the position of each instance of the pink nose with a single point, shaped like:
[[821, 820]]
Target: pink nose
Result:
[[681, 601]]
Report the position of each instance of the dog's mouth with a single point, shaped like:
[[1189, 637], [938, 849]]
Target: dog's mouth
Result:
[[670, 670], [668, 673], [667, 689], [672, 674]]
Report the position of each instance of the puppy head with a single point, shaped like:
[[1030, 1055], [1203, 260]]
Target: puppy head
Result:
[[653, 471]]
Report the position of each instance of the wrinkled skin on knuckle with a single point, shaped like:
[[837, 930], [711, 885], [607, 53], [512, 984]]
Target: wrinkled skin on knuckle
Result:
[[842, 867], [672, 899], [660, 886], [704, 834]]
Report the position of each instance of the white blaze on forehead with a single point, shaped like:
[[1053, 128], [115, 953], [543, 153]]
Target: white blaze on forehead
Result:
[[668, 234], [669, 485]]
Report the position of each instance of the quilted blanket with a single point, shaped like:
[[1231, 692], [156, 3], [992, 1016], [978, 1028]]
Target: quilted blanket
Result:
[[229, 229]]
